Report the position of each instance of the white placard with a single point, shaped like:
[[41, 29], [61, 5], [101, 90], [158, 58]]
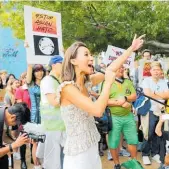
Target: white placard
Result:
[[113, 52], [43, 33]]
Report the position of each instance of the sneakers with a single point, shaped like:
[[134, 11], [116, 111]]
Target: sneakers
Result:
[[117, 166], [16, 156], [124, 153], [146, 160], [156, 158], [109, 157]]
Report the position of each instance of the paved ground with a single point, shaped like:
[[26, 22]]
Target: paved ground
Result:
[[106, 164]]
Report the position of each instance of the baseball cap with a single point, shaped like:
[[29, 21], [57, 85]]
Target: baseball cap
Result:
[[55, 59]]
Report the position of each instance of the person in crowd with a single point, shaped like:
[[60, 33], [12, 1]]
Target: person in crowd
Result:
[[163, 132], [102, 65], [34, 76], [12, 116], [9, 100], [51, 120], [156, 88], [48, 69], [138, 73], [126, 74], [77, 109], [22, 95], [3, 75], [120, 99], [10, 77]]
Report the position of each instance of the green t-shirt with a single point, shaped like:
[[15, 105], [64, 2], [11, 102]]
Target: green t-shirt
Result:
[[119, 91]]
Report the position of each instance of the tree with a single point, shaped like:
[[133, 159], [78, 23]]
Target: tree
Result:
[[99, 23]]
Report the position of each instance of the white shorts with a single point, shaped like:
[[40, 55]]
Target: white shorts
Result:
[[51, 149], [89, 159]]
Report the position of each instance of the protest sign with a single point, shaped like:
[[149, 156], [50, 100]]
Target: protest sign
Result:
[[2, 94], [43, 33], [113, 52]]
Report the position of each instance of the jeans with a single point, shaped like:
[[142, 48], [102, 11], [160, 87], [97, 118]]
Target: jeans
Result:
[[152, 144]]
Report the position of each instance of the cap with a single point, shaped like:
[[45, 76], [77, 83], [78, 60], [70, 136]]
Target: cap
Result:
[[55, 59]]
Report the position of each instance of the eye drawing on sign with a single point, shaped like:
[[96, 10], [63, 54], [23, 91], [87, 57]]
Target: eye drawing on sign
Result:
[[46, 45]]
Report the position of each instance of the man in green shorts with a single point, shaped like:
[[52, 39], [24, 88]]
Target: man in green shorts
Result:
[[120, 98]]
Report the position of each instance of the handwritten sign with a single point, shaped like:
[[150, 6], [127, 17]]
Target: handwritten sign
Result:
[[43, 33], [2, 94], [44, 23], [113, 53], [9, 52]]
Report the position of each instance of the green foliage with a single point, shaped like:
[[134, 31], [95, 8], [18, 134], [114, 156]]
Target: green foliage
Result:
[[97, 23]]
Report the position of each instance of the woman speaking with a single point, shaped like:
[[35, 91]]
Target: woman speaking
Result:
[[77, 109]]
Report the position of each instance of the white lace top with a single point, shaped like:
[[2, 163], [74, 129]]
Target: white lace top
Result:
[[80, 127]]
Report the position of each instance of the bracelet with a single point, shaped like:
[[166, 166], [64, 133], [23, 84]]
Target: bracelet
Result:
[[10, 148]]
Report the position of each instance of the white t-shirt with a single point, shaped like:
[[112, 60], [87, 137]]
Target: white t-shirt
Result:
[[47, 86], [160, 86]]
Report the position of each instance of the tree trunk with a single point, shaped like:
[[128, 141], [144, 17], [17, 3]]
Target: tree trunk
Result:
[[158, 44]]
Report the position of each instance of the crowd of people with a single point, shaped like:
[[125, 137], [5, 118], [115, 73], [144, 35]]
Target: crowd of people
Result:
[[69, 101]]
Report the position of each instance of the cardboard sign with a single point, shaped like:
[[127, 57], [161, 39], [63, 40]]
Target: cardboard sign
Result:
[[113, 52], [43, 33], [2, 94]]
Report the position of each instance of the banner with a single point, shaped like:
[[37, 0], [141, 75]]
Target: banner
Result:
[[113, 52], [43, 33], [2, 94], [12, 53]]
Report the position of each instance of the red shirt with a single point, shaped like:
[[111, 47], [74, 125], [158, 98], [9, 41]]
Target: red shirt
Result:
[[23, 95]]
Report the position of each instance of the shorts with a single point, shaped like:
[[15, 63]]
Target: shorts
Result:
[[125, 125]]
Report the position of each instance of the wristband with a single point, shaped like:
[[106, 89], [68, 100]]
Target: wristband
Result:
[[10, 148]]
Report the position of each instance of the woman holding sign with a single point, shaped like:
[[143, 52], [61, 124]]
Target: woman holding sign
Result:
[[34, 76], [77, 109]]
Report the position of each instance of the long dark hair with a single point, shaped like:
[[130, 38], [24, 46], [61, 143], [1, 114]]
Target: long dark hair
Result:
[[36, 68], [7, 79]]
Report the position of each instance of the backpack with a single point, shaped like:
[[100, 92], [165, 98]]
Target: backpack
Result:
[[104, 123], [132, 164], [142, 105]]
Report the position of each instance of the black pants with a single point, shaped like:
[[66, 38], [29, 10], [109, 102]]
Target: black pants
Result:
[[4, 162], [151, 146]]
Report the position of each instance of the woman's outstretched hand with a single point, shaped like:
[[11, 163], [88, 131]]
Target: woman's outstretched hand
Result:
[[137, 42]]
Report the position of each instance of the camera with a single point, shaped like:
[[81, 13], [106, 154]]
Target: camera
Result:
[[35, 137], [34, 131]]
